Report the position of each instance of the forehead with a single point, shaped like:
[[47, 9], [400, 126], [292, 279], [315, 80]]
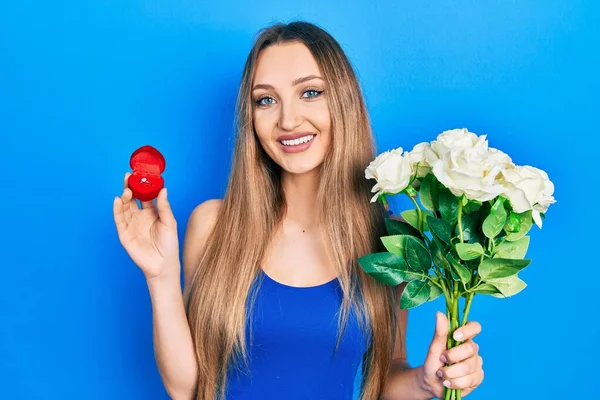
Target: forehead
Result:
[[280, 64]]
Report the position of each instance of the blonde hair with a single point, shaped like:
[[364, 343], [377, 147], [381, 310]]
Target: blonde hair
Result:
[[254, 206]]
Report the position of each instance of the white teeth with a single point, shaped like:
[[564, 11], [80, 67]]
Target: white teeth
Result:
[[298, 141]]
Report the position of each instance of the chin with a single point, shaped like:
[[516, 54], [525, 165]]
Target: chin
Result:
[[300, 169]]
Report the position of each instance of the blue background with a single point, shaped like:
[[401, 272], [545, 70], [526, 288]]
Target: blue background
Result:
[[83, 84]]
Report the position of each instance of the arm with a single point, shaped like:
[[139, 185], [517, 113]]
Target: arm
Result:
[[173, 346], [403, 382]]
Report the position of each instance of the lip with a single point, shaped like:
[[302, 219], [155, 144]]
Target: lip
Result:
[[293, 136], [298, 148]]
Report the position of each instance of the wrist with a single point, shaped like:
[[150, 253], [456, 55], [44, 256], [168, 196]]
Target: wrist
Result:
[[420, 386], [169, 276]]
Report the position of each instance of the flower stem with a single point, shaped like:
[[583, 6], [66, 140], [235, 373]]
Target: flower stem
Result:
[[460, 230], [448, 394], [467, 308], [442, 284], [454, 325], [419, 212], [383, 200], [455, 299], [456, 394]]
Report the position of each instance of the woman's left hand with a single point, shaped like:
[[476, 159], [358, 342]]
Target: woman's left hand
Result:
[[466, 371]]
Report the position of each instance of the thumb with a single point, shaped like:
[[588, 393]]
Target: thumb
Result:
[[165, 214], [438, 343]]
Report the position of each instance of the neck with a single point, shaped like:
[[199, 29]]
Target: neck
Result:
[[300, 191]]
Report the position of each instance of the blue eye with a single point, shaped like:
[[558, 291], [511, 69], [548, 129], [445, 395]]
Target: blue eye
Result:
[[260, 103], [314, 91]]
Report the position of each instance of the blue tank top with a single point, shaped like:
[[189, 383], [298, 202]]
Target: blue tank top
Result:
[[292, 353]]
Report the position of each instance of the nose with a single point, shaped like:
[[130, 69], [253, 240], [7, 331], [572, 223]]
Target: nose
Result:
[[289, 116]]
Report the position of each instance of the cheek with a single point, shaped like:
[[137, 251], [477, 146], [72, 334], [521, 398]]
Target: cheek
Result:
[[262, 125], [321, 119], [263, 131]]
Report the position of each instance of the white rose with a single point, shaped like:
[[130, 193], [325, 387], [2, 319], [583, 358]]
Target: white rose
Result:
[[529, 188], [471, 171], [417, 157], [497, 161], [453, 139], [392, 170]]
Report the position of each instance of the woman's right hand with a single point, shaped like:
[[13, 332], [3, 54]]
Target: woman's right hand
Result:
[[148, 234]]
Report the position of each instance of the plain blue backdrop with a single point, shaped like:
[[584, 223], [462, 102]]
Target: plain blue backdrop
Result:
[[83, 84]]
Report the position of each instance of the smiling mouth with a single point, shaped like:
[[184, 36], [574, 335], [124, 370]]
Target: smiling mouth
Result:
[[297, 142]]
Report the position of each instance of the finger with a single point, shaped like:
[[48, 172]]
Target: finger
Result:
[[470, 330], [438, 344], [461, 352], [463, 368], [127, 196], [126, 180], [465, 382], [165, 213], [119, 215], [129, 204], [147, 204]]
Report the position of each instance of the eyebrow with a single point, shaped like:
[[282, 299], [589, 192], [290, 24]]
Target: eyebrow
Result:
[[294, 83]]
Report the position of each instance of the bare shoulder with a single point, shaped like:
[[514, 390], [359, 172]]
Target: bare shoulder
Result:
[[201, 221]]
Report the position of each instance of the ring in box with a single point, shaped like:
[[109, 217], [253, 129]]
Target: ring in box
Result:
[[147, 164]]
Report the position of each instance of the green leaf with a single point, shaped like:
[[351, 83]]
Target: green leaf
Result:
[[508, 286], [407, 274], [485, 288], [464, 201], [463, 272], [434, 291], [384, 267], [526, 224], [415, 294], [448, 205], [395, 227], [394, 244], [440, 228], [429, 193], [454, 275], [412, 218], [513, 223], [417, 255], [498, 268], [514, 250], [471, 206], [498, 203], [437, 254], [469, 251], [471, 225], [493, 224]]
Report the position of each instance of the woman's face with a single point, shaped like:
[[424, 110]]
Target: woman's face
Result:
[[291, 115]]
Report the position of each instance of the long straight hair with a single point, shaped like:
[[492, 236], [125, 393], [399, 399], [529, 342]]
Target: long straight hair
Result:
[[254, 207]]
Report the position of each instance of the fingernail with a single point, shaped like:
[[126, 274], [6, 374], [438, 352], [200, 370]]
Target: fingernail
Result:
[[458, 335], [447, 383], [440, 373], [443, 359]]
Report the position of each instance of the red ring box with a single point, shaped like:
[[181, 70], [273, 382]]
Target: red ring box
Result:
[[147, 164]]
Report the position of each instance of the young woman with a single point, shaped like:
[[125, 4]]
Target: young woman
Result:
[[274, 304]]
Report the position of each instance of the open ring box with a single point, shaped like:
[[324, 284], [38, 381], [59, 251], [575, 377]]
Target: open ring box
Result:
[[147, 164]]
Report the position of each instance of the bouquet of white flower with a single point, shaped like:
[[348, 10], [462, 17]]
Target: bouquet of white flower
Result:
[[468, 236]]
